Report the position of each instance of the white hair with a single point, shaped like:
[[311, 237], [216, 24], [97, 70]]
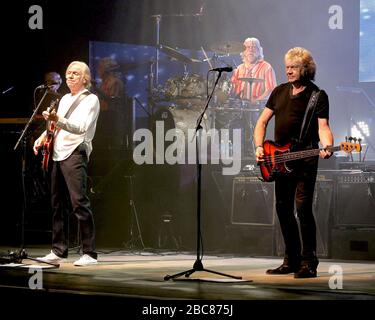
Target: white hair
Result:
[[255, 41]]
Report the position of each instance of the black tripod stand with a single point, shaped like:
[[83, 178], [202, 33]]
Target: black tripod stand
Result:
[[198, 265]]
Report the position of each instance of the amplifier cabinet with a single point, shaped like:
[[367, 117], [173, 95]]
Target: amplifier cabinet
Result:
[[355, 200], [252, 202], [252, 218], [250, 239], [353, 244]]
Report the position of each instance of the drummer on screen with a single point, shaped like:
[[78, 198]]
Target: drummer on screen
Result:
[[254, 79]]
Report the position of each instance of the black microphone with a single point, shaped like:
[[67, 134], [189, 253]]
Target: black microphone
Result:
[[223, 69], [45, 86]]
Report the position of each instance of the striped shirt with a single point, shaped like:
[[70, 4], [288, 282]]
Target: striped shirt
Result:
[[260, 89]]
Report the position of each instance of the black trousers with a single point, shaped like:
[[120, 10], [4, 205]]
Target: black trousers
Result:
[[69, 183], [294, 193]]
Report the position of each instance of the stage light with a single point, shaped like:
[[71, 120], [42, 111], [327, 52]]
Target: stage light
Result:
[[360, 130]]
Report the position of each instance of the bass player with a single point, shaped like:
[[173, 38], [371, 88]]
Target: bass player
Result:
[[301, 113]]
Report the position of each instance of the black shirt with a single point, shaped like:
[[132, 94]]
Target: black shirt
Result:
[[290, 110]]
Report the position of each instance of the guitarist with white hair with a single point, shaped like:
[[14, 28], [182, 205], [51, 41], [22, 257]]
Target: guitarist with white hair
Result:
[[74, 125], [301, 113]]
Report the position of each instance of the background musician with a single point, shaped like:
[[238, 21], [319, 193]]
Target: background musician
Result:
[[112, 95], [253, 67]]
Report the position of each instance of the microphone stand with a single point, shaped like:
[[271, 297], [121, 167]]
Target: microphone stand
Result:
[[23, 168], [198, 265]]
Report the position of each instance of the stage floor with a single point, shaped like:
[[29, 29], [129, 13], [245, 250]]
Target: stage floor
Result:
[[137, 275]]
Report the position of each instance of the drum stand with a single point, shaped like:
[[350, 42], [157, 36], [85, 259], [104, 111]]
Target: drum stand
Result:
[[250, 127], [249, 116], [198, 265], [158, 18], [132, 243]]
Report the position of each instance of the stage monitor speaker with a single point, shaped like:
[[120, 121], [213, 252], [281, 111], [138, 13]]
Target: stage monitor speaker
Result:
[[353, 244], [252, 202], [322, 208], [355, 200]]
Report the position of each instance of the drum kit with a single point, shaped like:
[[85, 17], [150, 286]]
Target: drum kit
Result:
[[182, 97], [192, 88]]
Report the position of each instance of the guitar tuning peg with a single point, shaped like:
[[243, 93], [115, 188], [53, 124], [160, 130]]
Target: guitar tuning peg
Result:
[[355, 140], [346, 138]]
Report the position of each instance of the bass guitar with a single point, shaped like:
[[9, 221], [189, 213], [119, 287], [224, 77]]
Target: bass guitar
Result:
[[276, 157], [48, 143]]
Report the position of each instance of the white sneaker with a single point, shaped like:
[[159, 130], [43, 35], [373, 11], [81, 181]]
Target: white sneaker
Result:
[[85, 260], [51, 258]]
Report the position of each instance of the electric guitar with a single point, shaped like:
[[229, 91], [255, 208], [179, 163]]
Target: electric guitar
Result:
[[276, 157], [48, 143]]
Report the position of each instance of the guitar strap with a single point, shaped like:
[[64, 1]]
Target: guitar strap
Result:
[[309, 113], [67, 115], [76, 102], [74, 105]]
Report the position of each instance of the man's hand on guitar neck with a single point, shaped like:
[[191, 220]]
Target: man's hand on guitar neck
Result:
[[50, 116]]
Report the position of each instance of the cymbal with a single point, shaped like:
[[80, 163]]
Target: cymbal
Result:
[[173, 53], [228, 47], [251, 80]]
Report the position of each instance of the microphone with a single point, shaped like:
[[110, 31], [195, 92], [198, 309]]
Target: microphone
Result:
[[7, 90], [45, 86], [223, 69]]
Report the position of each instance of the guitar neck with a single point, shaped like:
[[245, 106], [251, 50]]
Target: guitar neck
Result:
[[306, 153]]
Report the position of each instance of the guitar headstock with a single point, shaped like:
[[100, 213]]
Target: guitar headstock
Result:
[[53, 105], [351, 144]]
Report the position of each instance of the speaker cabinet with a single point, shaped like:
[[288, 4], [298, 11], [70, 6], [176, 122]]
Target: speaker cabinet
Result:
[[250, 239], [322, 209], [355, 200], [251, 225], [353, 244], [252, 202]]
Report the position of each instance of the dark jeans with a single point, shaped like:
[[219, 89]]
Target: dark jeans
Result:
[[69, 182], [294, 193]]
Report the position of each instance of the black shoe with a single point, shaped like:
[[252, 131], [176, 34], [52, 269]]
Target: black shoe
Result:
[[283, 269], [306, 271]]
